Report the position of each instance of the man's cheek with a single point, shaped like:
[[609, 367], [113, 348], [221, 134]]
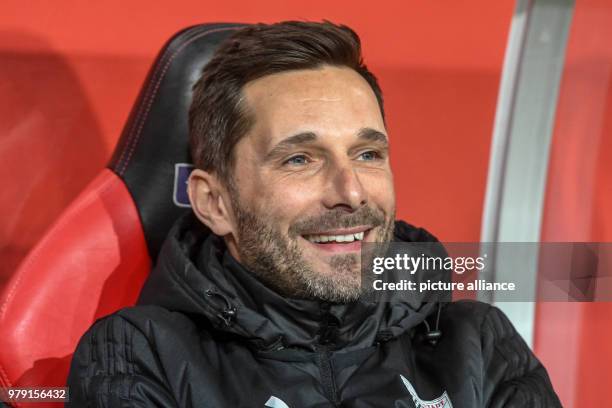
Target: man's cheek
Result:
[[292, 200], [384, 197]]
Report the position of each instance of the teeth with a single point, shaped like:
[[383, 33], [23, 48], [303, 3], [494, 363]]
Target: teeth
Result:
[[336, 238]]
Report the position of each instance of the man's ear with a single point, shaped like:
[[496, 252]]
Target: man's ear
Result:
[[207, 202]]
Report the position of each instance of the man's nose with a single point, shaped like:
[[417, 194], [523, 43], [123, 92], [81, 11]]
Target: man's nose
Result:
[[344, 189]]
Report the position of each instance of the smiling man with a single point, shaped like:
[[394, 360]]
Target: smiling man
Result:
[[310, 185], [256, 299]]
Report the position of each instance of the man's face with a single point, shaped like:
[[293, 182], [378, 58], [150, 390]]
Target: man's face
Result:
[[311, 182]]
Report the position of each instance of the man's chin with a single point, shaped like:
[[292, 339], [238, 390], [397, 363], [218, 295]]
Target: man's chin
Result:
[[340, 269], [339, 273]]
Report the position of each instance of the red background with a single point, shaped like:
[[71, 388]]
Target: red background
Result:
[[573, 339], [70, 71]]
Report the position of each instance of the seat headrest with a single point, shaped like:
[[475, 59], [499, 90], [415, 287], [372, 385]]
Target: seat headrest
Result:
[[152, 156]]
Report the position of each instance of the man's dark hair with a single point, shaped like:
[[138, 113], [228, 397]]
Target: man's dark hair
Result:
[[219, 118]]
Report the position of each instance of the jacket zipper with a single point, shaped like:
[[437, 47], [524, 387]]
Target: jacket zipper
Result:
[[327, 376], [327, 338]]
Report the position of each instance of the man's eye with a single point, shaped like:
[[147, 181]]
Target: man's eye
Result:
[[297, 160], [369, 155]]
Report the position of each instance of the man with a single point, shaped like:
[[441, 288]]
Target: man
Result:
[[256, 299]]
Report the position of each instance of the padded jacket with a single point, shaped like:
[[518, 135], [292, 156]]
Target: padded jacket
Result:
[[207, 333]]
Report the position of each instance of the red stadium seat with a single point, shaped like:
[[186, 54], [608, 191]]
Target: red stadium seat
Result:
[[96, 256]]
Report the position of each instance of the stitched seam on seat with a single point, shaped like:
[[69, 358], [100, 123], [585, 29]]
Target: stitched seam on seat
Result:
[[131, 131], [58, 227], [34, 256], [132, 144], [104, 187], [138, 115], [4, 377]]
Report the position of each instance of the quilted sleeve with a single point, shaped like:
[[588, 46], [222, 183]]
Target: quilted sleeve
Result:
[[514, 376], [115, 366]]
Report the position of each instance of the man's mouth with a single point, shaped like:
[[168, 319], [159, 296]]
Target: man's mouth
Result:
[[341, 240]]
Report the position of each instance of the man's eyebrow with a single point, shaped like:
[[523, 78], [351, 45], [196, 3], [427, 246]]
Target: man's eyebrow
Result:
[[367, 134], [373, 135], [297, 139]]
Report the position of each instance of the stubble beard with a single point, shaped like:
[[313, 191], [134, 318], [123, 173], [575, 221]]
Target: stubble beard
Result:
[[279, 262]]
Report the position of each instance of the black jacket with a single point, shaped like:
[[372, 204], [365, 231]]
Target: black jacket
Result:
[[206, 333]]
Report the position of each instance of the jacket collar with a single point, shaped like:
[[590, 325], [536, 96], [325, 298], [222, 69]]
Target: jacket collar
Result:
[[196, 275]]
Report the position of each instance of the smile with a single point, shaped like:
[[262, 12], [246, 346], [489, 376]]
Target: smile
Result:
[[341, 240], [336, 238]]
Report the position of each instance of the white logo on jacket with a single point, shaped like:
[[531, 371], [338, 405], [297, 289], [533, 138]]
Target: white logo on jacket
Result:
[[274, 402], [441, 402]]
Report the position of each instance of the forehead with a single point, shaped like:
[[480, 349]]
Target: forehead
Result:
[[327, 101]]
